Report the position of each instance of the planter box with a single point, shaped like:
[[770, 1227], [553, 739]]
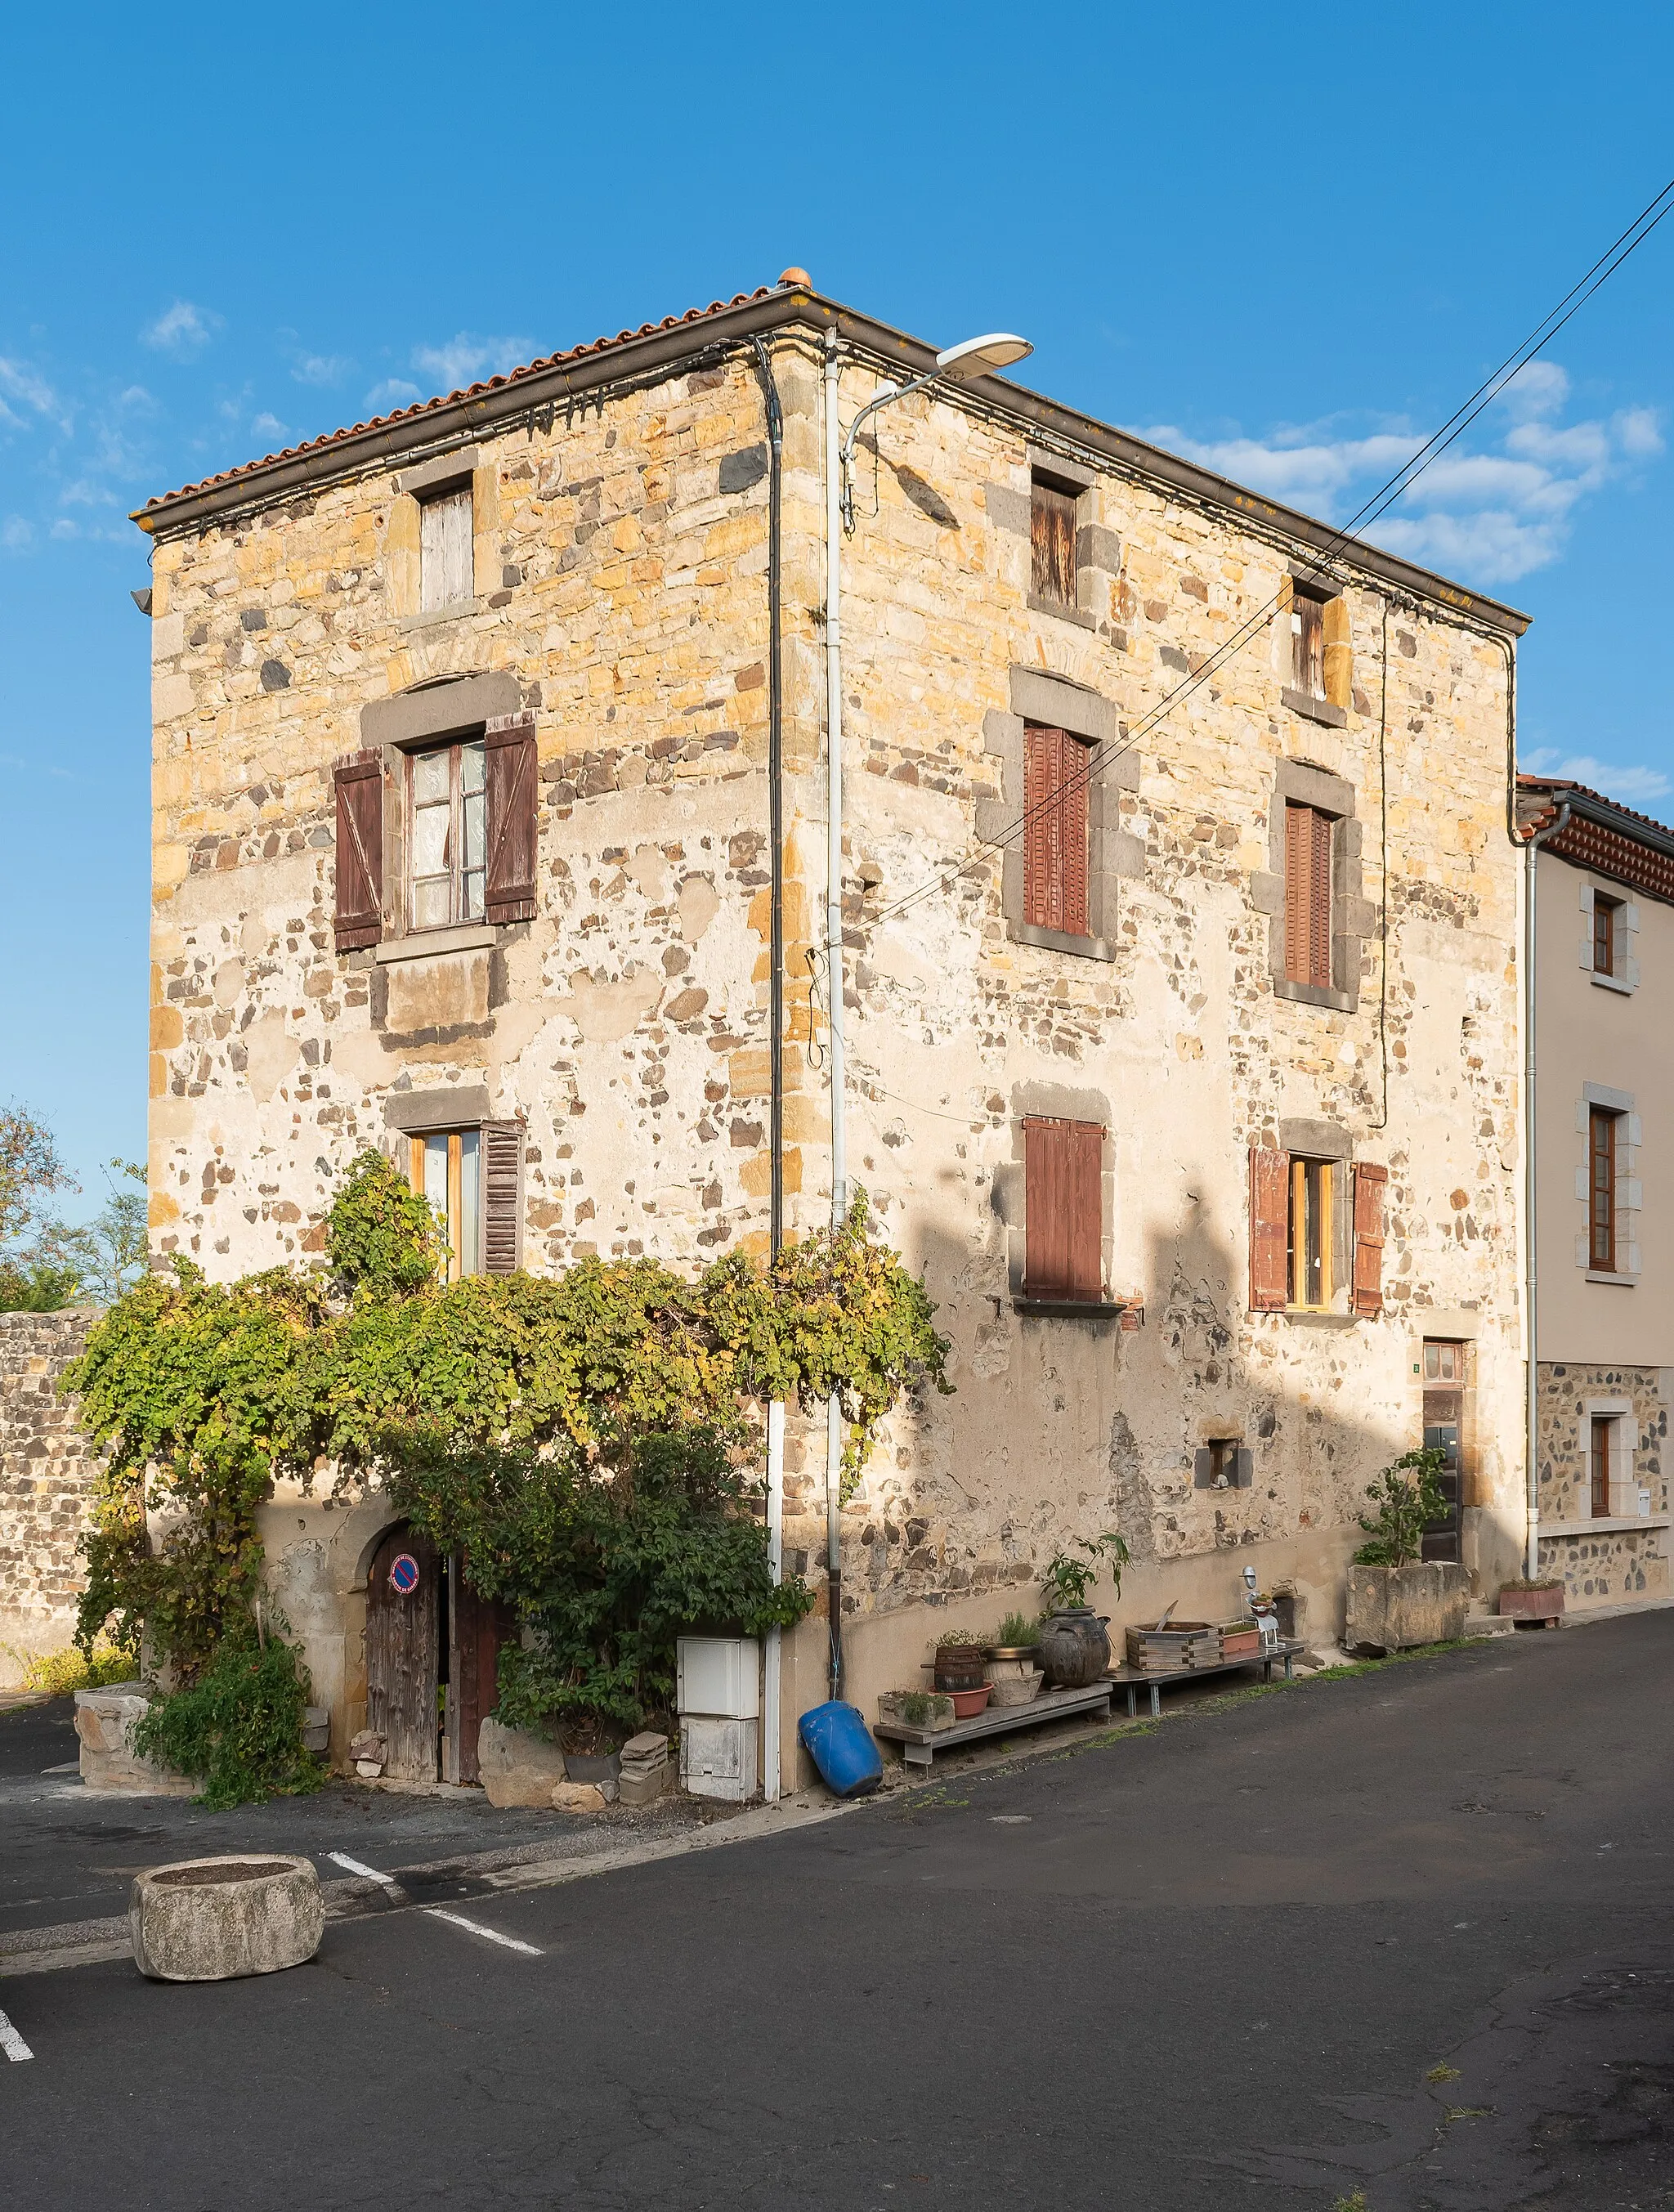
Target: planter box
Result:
[[104, 1724], [212, 1920], [941, 1709], [1393, 1608], [1531, 1604]]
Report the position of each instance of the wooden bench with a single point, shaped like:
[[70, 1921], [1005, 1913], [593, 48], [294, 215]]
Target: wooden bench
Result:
[[1130, 1678], [920, 1746]]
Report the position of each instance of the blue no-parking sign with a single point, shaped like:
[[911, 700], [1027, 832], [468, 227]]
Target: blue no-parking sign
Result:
[[404, 1574]]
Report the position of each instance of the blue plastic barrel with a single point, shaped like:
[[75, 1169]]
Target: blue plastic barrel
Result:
[[837, 1740]]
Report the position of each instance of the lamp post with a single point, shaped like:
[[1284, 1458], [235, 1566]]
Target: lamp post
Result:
[[955, 364]]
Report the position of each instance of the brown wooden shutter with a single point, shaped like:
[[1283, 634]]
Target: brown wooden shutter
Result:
[[1269, 1229], [1064, 1209], [1319, 902], [1308, 896], [502, 1197], [1370, 1181], [1073, 816], [359, 850], [511, 775], [1052, 543], [1043, 887]]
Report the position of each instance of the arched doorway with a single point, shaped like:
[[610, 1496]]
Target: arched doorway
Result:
[[432, 1649]]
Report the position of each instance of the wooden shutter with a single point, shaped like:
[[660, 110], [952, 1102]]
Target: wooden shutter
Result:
[[501, 1201], [1056, 785], [1064, 1209], [1308, 896], [359, 850], [1073, 818], [1369, 1180], [1269, 1229], [1052, 542], [446, 551], [510, 772]]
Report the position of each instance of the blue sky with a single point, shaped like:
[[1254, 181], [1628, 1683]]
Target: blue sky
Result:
[[1285, 241]]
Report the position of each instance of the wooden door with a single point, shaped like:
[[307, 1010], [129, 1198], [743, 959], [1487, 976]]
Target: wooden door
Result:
[[476, 1629], [403, 1652]]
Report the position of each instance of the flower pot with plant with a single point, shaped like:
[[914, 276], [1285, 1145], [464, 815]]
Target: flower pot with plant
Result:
[[919, 1709], [1540, 1602], [959, 1661], [1075, 1649], [1013, 1659], [1396, 1598]]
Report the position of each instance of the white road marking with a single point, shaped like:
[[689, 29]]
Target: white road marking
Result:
[[476, 1928], [11, 2042], [354, 1866], [71, 1767]]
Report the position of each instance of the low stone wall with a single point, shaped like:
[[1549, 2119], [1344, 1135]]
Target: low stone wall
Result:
[[47, 1470]]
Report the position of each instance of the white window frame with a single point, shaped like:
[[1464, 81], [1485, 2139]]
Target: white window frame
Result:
[[446, 556]]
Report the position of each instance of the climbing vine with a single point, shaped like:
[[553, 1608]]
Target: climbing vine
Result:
[[588, 1440]]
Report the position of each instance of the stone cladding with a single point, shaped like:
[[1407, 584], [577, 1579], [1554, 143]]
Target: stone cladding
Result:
[[47, 1472]]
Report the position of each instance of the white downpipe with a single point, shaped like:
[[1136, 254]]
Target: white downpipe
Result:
[[834, 949], [770, 1696], [1531, 1274]]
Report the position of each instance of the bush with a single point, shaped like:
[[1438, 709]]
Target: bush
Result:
[[1408, 1498], [238, 1728], [61, 1674]]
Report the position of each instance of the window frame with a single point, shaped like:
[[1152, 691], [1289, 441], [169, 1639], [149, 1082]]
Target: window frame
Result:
[[454, 746], [1310, 1233], [1053, 498], [1307, 643], [1601, 1219], [419, 1142], [1601, 1430]]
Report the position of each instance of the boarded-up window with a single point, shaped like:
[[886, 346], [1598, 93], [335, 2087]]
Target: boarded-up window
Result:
[[1052, 536], [1601, 1150], [1056, 777], [1064, 1208], [512, 789], [1308, 896], [1269, 1212], [1370, 1179], [444, 550], [1307, 644], [360, 851]]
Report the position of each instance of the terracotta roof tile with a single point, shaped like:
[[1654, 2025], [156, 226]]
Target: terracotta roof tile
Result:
[[470, 391], [1561, 787]]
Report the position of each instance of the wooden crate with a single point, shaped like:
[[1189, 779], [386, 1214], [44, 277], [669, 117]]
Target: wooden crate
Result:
[[1182, 1643]]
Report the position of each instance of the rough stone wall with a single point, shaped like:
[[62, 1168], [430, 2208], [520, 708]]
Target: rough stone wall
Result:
[[1603, 1562], [621, 584], [46, 1475]]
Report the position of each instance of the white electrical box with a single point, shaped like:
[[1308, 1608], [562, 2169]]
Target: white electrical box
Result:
[[718, 1758], [719, 1676]]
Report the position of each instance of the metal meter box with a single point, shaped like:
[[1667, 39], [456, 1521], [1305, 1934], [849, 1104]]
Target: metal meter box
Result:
[[720, 1676], [718, 1758]]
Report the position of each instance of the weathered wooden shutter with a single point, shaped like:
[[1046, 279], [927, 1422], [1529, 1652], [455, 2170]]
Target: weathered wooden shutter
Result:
[[1052, 542], [1073, 818], [1270, 1228], [1064, 1209], [446, 551], [359, 850], [1308, 896], [1370, 1181], [510, 771], [1319, 902], [1056, 785], [501, 1171]]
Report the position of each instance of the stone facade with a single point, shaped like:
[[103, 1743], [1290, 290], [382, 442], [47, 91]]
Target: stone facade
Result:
[[47, 1472], [1604, 1558], [621, 552]]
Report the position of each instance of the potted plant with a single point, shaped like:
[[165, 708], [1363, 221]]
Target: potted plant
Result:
[[1075, 1650], [958, 1663], [1397, 1598], [1014, 1669], [1538, 1600], [919, 1709]]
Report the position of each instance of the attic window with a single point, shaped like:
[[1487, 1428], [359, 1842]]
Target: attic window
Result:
[[1307, 643], [445, 550]]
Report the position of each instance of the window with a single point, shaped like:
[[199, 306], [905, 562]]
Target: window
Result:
[[1056, 777], [1606, 934], [1307, 644], [446, 577], [1601, 1224], [1310, 1233], [1599, 1465], [446, 1166], [1063, 1210], [1444, 1363], [449, 805], [1308, 896], [1053, 538]]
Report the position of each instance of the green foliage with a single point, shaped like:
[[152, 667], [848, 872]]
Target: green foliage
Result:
[[381, 1236], [957, 1639], [1072, 1572], [61, 1674], [238, 1727], [918, 1708], [30, 1170], [37, 1285], [1018, 1632], [1408, 1498]]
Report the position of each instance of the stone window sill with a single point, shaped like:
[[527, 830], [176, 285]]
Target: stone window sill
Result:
[[1316, 710], [1057, 940], [1318, 1317], [1612, 983], [1315, 995], [1619, 1282], [1607, 1524], [429, 943], [1069, 1309], [1081, 618], [459, 611]]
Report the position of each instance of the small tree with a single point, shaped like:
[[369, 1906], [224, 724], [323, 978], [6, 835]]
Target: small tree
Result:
[[1408, 1498]]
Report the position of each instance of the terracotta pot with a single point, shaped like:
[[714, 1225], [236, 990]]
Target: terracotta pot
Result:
[[1075, 1650], [1531, 1604], [967, 1704]]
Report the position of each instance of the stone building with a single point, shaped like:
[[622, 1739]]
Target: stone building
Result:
[[1604, 907], [47, 1471], [1176, 892]]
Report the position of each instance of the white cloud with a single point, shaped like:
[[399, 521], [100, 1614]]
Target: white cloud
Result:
[[268, 426], [1490, 513], [321, 369], [1632, 785], [393, 391], [28, 391], [182, 330], [63, 528], [17, 535], [465, 359]]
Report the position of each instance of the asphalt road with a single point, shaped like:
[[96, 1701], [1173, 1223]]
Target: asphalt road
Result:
[[1208, 1965]]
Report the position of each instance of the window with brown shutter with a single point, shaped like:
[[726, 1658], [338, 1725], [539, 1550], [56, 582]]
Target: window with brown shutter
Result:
[[1601, 1151], [1056, 777], [360, 851], [1269, 1229], [502, 1197], [1370, 1179], [1308, 896], [1604, 925], [473, 1179], [1064, 1209], [513, 779], [447, 825], [1052, 540]]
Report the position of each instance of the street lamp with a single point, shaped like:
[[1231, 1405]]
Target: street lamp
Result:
[[956, 364]]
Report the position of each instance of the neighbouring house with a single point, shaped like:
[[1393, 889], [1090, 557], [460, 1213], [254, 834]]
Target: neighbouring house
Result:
[[1604, 905], [1183, 1042]]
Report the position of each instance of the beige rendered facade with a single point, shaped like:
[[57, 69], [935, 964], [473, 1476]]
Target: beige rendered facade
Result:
[[1265, 955], [1604, 995]]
